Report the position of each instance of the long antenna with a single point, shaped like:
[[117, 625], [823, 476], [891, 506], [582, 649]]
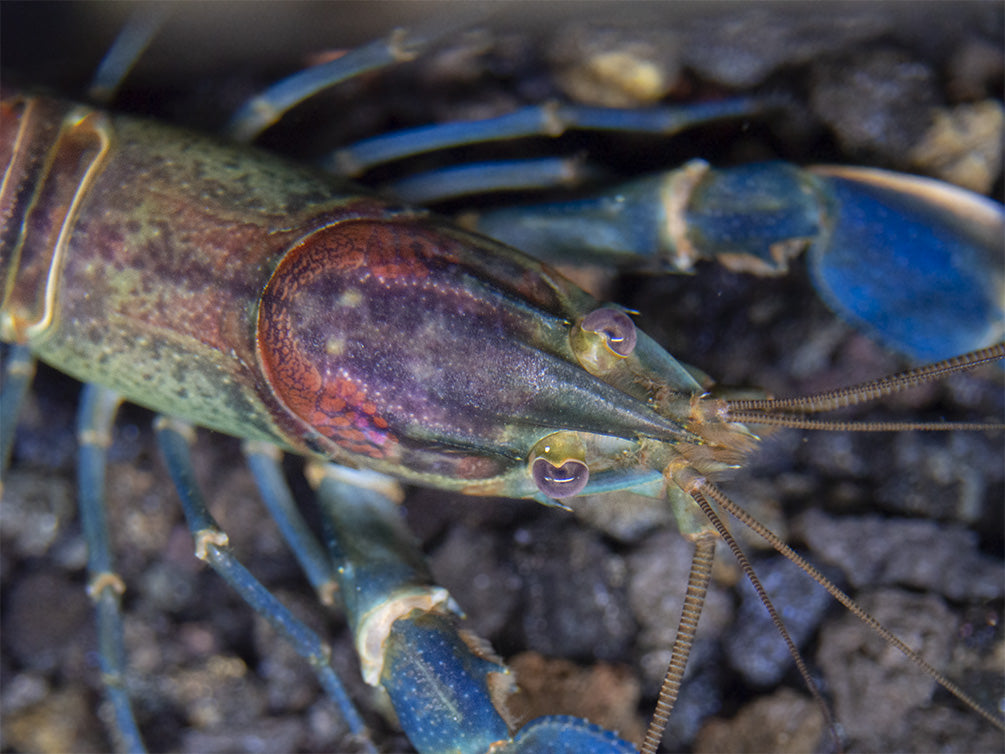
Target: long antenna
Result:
[[693, 479], [791, 412], [694, 601]]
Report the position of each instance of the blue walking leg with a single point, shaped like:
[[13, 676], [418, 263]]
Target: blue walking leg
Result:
[[19, 368], [482, 177], [129, 45], [105, 587], [266, 108], [263, 460], [550, 119], [211, 546]]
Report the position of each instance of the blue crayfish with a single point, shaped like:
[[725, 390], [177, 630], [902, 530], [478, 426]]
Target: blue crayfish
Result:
[[271, 302]]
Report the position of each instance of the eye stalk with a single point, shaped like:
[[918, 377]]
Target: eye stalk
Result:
[[603, 339], [558, 465]]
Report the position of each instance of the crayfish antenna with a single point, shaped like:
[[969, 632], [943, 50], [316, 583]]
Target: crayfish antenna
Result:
[[790, 412], [710, 413], [694, 601], [703, 489]]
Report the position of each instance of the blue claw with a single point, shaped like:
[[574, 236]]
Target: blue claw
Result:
[[560, 734], [447, 687], [917, 264], [448, 695]]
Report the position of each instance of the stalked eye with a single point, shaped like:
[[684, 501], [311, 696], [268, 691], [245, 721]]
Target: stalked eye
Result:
[[563, 481], [616, 326], [557, 465]]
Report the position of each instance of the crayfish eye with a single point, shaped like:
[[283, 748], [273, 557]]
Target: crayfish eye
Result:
[[558, 467], [616, 327], [563, 481], [602, 340]]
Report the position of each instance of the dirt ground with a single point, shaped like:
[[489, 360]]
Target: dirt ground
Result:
[[910, 523]]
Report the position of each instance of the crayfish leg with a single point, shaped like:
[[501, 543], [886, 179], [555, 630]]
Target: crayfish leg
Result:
[[211, 546], [95, 418]]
